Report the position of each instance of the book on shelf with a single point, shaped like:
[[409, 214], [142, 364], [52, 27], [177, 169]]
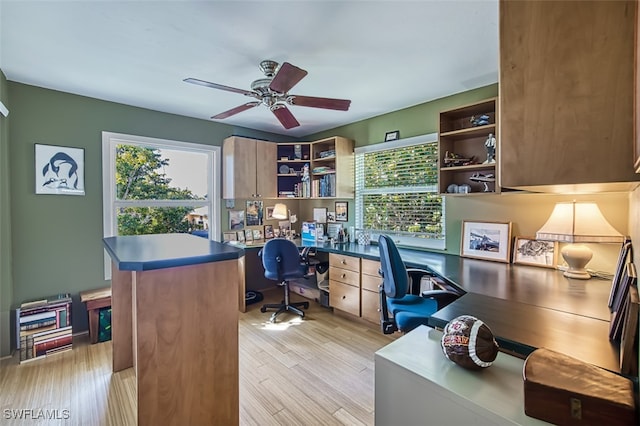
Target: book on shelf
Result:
[[61, 297]]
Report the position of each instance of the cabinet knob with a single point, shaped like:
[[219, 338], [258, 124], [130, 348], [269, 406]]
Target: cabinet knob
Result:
[[344, 275], [344, 297], [344, 262]]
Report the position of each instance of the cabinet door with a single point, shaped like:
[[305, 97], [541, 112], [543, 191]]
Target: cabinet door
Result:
[[238, 168], [266, 169], [566, 93]]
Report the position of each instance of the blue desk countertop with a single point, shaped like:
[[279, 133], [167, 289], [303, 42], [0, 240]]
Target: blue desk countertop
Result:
[[158, 251]]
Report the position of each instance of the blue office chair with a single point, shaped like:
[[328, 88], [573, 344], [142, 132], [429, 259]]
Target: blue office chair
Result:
[[282, 262], [399, 309]]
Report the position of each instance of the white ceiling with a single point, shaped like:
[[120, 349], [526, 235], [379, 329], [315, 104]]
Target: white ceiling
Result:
[[383, 55]]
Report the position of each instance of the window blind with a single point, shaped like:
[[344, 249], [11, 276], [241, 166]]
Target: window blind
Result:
[[397, 191]]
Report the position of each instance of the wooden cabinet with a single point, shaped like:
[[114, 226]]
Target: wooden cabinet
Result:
[[344, 283], [566, 95], [467, 147], [370, 298], [248, 168], [331, 169]]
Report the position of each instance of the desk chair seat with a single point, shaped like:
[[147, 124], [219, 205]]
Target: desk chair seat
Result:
[[283, 262], [399, 309]]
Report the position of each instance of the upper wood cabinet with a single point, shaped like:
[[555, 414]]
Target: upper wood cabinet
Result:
[[566, 95], [247, 167]]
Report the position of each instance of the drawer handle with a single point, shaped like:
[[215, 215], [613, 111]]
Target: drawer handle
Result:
[[344, 297], [344, 275], [344, 262]]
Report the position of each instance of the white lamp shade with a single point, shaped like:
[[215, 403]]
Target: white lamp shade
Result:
[[578, 222], [280, 211]]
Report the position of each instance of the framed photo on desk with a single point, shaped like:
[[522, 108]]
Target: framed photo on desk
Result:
[[529, 251], [486, 240]]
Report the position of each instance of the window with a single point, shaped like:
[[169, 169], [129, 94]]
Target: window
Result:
[[153, 186], [397, 191]]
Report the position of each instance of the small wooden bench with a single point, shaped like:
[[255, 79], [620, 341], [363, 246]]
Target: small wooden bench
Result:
[[95, 299]]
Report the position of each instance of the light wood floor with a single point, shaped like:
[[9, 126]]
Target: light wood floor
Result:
[[316, 371]]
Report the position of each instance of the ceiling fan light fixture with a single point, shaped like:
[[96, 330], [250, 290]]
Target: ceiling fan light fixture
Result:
[[272, 92]]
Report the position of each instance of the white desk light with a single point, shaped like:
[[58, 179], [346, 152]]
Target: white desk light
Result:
[[578, 222], [280, 211]]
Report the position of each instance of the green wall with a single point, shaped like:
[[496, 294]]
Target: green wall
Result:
[[57, 240], [6, 286]]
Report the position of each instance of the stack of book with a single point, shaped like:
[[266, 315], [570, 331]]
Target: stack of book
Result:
[[43, 327]]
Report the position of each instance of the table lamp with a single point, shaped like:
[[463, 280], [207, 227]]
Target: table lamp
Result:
[[575, 223], [279, 211]]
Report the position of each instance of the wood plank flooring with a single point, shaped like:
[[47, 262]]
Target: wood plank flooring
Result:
[[316, 371]]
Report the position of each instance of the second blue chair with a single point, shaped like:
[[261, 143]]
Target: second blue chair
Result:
[[399, 309]]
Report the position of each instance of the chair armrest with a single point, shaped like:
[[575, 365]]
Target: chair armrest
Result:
[[415, 276], [443, 297]]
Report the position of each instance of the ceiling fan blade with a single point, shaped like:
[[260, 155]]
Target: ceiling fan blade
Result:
[[326, 103], [219, 86], [234, 111], [287, 76], [285, 117]]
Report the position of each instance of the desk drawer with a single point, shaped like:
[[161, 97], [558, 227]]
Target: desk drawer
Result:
[[345, 262], [370, 304], [344, 297], [370, 282], [344, 276], [370, 267]]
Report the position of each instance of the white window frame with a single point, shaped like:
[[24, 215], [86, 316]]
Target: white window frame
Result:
[[404, 239], [110, 204]]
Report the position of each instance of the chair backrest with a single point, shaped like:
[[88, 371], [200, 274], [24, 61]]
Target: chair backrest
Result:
[[394, 272], [281, 260]]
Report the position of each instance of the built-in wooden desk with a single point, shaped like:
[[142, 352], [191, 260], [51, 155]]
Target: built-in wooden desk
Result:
[[175, 320], [526, 307]]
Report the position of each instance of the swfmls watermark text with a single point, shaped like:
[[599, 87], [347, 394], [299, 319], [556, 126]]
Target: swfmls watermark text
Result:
[[36, 414]]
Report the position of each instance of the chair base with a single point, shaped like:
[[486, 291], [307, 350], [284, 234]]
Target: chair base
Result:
[[285, 305]]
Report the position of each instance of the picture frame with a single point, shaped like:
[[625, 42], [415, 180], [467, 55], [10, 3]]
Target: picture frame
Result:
[[240, 236], [236, 219], [529, 251], [628, 341], [268, 232], [625, 255], [392, 136], [254, 213], [619, 308], [59, 170], [269, 212], [331, 216], [486, 240], [257, 234], [320, 214], [229, 236], [248, 235], [342, 211]]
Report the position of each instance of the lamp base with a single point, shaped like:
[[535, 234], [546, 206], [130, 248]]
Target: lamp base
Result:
[[577, 256], [579, 275]]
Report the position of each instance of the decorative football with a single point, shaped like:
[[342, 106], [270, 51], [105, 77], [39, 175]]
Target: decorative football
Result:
[[468, 342]]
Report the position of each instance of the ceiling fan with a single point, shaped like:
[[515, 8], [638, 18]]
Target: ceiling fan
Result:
[[273, 91]]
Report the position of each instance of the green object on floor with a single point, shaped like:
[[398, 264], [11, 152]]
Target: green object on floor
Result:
[[104, 325]]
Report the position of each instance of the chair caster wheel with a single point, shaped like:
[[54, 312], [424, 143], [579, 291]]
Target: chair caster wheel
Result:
[[263, 309]]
